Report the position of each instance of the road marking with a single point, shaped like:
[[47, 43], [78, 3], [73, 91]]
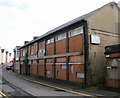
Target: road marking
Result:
[[3, 95], [0, 95], [74, 92]]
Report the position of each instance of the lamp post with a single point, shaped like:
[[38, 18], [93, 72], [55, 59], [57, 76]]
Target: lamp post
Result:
[[2, 51]]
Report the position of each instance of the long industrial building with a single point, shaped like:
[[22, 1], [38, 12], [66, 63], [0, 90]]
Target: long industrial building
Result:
[[73, 51]]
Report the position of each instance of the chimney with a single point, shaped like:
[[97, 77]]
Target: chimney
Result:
[[25, 42], [35, 37]]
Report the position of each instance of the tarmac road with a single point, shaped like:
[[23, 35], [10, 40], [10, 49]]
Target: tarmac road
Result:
[[16, 86], [13, 84]]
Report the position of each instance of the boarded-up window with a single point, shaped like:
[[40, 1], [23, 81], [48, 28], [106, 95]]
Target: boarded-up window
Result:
[[63, 66], [48, 72], [29, 50], [32, 49], [23, 52], [35, 48], [41, 51], [79, 75], [71, 69]]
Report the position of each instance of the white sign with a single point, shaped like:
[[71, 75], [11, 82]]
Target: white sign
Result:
[[63, 66], [17, 58], [95, 39], [80, 75]]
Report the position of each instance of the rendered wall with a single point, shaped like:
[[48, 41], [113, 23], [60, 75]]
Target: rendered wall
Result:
[[105, 25]]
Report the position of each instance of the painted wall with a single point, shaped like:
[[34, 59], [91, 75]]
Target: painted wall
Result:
[[105, 25]]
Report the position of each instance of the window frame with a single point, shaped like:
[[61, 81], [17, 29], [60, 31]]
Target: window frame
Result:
[[51, 40], [60, 37], [75, 32]]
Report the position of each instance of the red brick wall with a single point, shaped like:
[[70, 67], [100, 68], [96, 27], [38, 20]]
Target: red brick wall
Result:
[[41, 70], [50, 49], [76, 43], [76, 68], [35, 48], [77, 58], [113, 83], [33, 70], [49, 67], [61, 60], [50, 60], [62, 72], [23, 69], [41, 61], [61, 46]]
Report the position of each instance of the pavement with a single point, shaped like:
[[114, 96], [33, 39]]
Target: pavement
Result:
[[69, 87]]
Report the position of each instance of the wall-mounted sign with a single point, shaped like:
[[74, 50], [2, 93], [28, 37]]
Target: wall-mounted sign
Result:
[[17, 58], [95, 39]]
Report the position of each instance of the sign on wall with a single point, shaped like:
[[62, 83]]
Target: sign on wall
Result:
[[95, 39]]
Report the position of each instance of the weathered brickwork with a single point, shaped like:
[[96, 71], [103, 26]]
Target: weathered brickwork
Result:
[[76, 43], [74, 51], [61, 47]]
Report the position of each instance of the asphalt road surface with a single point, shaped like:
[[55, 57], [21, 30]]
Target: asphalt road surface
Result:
[[13, 84]]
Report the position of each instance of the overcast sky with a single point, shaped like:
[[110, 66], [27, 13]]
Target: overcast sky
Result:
[[20, 20]]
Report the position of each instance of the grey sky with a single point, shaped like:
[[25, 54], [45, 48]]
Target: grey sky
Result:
[[20, 20]]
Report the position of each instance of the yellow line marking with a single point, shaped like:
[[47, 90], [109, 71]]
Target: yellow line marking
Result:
[[0, 95], [3, 94], [83, 94]]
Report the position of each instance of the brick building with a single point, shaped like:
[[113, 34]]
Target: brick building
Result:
[[16, 59], [74, 51]]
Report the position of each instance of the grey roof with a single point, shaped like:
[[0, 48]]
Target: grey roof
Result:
[[83, 17], [17, 47]]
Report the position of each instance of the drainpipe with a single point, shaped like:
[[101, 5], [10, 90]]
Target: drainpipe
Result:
[[54, 68], [45, 59], [37, 57], [85, 51], [67, 58], [26, 61]]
